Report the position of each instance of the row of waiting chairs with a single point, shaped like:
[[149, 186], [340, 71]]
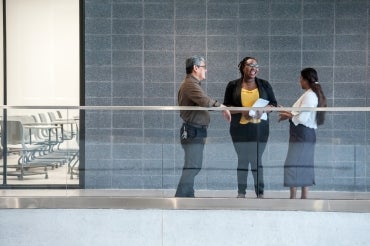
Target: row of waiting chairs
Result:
[[41, 144]]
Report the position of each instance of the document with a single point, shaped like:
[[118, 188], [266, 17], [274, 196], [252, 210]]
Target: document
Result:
[[259, 103]]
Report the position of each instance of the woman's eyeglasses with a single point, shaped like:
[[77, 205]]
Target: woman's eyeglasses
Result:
[[252, 65]]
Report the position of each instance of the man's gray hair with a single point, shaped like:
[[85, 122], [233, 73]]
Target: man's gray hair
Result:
[[193, 61]]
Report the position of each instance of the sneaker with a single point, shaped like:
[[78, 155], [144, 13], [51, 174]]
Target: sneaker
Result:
[[260, 196], [241, 195]]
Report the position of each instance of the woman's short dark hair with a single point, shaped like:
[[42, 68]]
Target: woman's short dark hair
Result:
[[242, 64]]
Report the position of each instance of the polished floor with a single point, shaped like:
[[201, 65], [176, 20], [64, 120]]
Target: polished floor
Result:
[[163, 199]]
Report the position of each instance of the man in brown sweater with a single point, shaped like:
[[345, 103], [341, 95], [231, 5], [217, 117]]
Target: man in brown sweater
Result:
[[193, 131]]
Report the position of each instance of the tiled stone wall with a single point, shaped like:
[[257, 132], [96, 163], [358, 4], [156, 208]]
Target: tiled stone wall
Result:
[[135, 53]]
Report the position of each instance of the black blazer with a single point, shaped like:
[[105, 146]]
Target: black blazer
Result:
[[232, 96]]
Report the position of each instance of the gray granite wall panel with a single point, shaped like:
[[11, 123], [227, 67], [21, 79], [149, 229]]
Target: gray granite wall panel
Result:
[[190, 27], [254, 27], [351, 26], [98, 26], [253, 43], [158, 42], [124, 120], [98, 119], [122, 26], [317, 58], [127, 58], [127, 42], [157, 27], [158, 58], [98, 42], [350, 58], [97, 74], [190, 43], [351, 42], [221, 59], [318, 27], [222, 27], [254, 10], [102, 101], [222, 11], [351, 9], [127, 151], [285, 58], [348, 74], [99, 135], [127, 11], [128, 90], [98, 58], [98, 152], [159, 11], [285, 10], [98, 89], [158, 74], [127, 136], [283, 77], [127, 74], [322, 42], [219, 76], [189, 10], [318, 10], [135, 54]]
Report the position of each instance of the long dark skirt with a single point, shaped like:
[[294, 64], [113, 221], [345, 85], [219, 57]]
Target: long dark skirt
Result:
[[299, 163]]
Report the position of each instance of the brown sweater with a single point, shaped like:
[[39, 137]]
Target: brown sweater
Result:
[[192, 94]]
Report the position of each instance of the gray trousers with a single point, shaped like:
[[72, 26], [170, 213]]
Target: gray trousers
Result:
[[193, 148]]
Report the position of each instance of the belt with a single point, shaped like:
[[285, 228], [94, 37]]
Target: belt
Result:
[[196, 125]]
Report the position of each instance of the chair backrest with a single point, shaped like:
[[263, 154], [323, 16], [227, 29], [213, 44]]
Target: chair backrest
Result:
[[43, 117], [21, 119], [52, 116], [15, 133], [34, 118], [59, 114]]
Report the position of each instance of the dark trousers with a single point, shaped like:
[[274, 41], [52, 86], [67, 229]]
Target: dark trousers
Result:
[[193, 147], [250, 142]]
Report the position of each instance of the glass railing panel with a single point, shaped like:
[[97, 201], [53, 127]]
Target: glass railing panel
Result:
[[41, 147], [133, 150], [139, 152], [136, 151], [340, 159]]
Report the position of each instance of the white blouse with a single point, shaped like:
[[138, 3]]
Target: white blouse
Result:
[[306, 118]]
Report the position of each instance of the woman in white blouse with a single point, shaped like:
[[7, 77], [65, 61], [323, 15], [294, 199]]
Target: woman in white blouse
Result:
[[299, 163]]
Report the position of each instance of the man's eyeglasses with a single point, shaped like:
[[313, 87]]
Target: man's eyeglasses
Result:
[[252, 65], [205, 67]]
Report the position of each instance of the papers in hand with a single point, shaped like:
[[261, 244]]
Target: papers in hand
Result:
[[259, 103]]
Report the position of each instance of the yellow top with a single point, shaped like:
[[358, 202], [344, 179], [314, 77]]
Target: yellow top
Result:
[[248, 99]]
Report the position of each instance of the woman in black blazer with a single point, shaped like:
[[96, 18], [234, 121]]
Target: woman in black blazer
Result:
[[249, 134]]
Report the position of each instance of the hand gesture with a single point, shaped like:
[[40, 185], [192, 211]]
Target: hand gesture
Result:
[[284, 115], [226, 113]]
